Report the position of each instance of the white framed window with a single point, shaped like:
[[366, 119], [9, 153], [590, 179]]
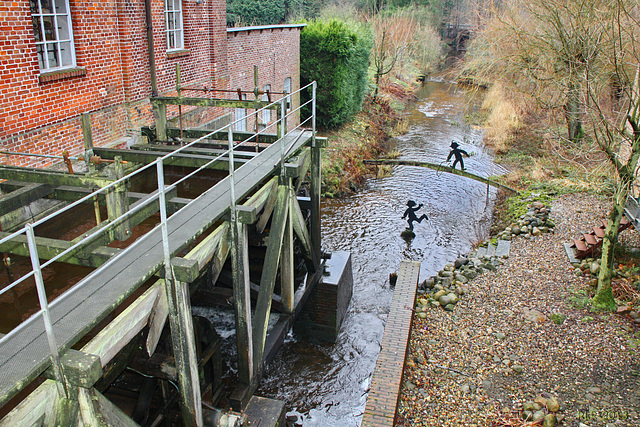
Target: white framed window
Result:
[[287, 89], [173, 24], [52, 29], [241, 117], [266, 114]]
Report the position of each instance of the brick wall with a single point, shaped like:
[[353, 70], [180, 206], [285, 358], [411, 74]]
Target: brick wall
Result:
[[41, 113], [275, 50]]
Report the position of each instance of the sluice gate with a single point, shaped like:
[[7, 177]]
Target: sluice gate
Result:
[[150, 251]]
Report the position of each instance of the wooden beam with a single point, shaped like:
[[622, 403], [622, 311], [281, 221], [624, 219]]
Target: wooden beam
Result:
[[315, 191], [208, 102], [305, 165], [184, 269], [260, 197], [300, 227], [23, 196], [158, 319], [36, 409], [242, 302], [178, 159], [267, 138], [49, 248], [287, 274], [97, 410], [111, 339], [160, 115], [50, 177], [79, 369], [268, 209], [220, 256], [441, 168], [200, 149], [118, 204], [268, 277]]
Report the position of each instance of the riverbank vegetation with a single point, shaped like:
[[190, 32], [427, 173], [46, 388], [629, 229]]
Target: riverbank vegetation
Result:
[[367, 61], [563, 81], [366, 56]]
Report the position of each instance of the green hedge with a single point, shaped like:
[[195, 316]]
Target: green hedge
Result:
[[255, 12], [336, 55]]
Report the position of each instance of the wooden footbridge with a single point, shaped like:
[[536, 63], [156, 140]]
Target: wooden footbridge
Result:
[[56, 364], [443, 168]]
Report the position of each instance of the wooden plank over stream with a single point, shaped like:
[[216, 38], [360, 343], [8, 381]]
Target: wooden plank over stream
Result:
[[387, 376], [24, 353]]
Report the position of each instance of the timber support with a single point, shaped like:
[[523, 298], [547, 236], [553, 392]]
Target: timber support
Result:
[[248, 240]]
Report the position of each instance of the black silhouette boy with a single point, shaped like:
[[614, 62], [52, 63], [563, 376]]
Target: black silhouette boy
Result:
[[410, 214], [455, 151]]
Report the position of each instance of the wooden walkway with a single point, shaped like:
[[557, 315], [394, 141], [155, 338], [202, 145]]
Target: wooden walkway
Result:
[[24, 354], [387, 377]]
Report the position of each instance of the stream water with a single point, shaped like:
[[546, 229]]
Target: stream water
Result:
[[326, 385]]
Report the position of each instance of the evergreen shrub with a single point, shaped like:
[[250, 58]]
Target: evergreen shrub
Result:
[[336, 55]]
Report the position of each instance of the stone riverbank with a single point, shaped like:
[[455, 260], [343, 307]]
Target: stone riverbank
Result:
[[519, 337]]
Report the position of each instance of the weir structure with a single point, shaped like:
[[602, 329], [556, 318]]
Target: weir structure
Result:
[[149, 253]]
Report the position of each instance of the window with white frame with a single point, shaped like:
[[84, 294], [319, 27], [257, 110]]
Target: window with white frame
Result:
[[173, 24], [51, 21], [287, 89], [266, 114], [241, 118]]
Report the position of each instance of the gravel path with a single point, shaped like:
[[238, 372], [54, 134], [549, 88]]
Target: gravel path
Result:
[[478, 365]]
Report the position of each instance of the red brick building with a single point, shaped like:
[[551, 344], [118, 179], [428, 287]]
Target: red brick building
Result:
[[60, 59]]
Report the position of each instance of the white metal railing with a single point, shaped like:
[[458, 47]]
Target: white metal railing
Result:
[[160, 194]]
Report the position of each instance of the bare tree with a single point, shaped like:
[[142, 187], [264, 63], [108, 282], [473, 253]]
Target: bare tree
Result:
[[393, 33], [551, 44], [581, 56], [616, 121]]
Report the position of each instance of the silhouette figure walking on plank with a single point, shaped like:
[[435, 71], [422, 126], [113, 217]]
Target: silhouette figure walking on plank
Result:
[[457, 152]]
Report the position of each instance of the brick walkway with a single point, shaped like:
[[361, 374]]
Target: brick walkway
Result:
[[385, 385]]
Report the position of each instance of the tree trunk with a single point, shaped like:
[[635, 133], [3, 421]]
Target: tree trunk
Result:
[[627, 175], [604, 294], [377, 84], [572, 114]]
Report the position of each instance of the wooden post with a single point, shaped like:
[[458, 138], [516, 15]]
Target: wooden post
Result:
[[87, 136], [316, 178], [118, 203], [184, 350], [242, 300], [286, 259], [280, 121], [160, 114], [268, 277]]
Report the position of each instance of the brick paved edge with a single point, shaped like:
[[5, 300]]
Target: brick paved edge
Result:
[[387, 376]]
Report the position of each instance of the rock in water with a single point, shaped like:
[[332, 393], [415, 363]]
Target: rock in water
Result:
[[407, 234]]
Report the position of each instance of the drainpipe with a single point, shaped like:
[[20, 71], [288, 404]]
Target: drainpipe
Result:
[[152, 58]]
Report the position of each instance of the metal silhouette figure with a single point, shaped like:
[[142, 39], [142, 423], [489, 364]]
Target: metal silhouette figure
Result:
[[410, 214], [457, 152]]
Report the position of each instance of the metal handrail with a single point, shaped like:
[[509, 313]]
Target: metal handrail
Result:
[[160, 195]]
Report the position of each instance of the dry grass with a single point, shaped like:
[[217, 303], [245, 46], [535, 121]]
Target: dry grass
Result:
[[625, 291], [513, 420], [504, 119]]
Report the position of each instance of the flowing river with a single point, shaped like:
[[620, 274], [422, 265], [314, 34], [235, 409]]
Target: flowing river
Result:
[[326, 385]]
